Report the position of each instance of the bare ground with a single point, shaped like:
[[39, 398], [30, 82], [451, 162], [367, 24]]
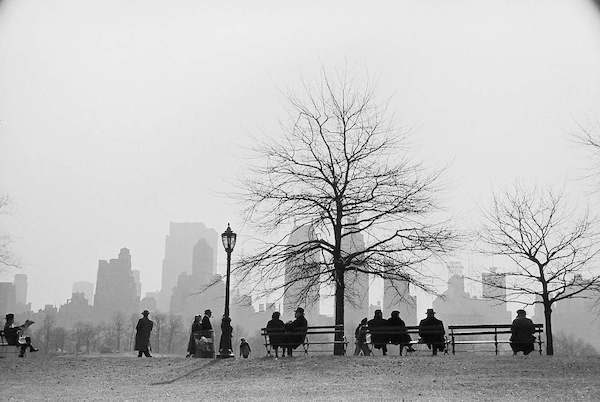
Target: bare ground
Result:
[[463, 377]]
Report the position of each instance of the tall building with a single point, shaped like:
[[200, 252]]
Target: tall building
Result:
[[303, 275], [116, 290], [396, 296], [138, 283], [20, 283], [8, 299], [493, 284], [356, 303], [179, 255], [87, 288]]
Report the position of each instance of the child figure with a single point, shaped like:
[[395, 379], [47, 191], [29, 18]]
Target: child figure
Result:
[[244, 348]]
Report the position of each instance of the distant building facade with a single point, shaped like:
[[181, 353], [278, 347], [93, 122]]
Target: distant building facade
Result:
[[396, 296], [302, 274], [181, 248], [8, 298], [76, 309], [87, 288], [356, 303], [116, 290]]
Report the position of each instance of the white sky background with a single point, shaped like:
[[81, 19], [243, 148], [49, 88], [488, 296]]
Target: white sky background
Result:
[[117, 117]]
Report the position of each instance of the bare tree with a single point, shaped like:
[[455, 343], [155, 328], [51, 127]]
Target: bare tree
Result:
[[550, 250], [119, 328], [159, 320], [339, 168], [174, 328]]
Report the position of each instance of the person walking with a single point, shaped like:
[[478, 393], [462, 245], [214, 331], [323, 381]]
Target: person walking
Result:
[[361, 339], [142, 335], [244, 348]]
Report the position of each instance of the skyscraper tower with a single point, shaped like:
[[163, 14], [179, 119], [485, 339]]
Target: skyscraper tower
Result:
[[356, 303], [303, 292]]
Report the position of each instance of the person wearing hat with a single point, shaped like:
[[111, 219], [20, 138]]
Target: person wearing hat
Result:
[[378, 329], [206, 325], [142, 335], [295, 331], [431, 331], [275, 329], [12, 333], [522, 337]]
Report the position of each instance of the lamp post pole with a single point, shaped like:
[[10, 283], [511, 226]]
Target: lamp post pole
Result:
[[225, 349]]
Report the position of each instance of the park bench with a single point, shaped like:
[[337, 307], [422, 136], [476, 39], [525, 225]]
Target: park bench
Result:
[[412, 330], [314, 336], [497, 330], [5, 348]]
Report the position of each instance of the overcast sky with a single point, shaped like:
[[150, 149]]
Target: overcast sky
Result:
[[117, 117]]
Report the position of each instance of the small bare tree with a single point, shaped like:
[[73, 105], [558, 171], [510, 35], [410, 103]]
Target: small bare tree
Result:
[[119, 328], [339, 169], [6, 257], [174, 328], [550, 250], [159, 321]]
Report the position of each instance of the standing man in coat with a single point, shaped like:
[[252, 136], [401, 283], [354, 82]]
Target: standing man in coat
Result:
[[522, 330], [431, 331], [142, 334]]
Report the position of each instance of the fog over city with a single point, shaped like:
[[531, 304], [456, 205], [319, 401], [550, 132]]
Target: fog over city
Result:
[[119, 117]]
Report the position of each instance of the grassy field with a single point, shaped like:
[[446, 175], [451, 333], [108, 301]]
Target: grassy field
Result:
[[462, 377]]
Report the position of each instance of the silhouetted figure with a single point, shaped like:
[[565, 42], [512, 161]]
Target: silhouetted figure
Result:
[[244, 348], [226, 333], [295, 331], [398, 333], [522, 336], [378, 328], [206, 325], [12, 333], [360, 333], [275, 329], [195, 332], [142, 335], [431, 331]]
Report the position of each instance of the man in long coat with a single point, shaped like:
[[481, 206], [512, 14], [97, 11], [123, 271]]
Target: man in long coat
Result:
[[378, 328], [431, 331], [522, 330], [295, 331], [142, 335]]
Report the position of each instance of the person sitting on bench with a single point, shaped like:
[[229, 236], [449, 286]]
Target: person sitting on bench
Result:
[[295, 331], [12, 333], [398, 333], [377, 328], [275, 328], [522, 330], [431, 331]]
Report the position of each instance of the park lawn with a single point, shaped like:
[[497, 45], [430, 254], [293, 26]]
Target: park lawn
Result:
[[467, 376]]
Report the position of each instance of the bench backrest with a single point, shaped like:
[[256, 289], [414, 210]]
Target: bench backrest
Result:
[[487, 329], [314, 330]]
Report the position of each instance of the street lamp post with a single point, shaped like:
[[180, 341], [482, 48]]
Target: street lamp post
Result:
[[228, 237]]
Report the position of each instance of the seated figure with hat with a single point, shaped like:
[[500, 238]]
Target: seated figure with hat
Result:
[[431, 331], [522, 334], [295, 332], [13, 333]]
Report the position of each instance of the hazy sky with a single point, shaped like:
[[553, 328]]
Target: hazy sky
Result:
[[117, 117]]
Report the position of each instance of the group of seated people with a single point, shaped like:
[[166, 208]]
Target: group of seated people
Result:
[[287, 336], [394, 331]]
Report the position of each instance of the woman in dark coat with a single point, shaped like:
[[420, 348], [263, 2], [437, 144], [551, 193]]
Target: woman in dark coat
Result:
[[295, 331], [196, 328], [275, 328], [142, 335]]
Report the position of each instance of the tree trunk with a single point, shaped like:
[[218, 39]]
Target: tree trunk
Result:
[[338, 348], [548, 329]]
